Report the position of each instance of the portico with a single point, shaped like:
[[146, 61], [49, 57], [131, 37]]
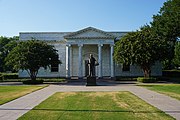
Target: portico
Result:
[[80, 44], [85, 42], [76, 62]]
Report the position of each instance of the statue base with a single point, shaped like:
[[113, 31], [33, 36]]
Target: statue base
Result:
[[91, 81]]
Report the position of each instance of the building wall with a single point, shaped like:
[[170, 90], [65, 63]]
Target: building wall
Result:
[[62, 56], [156, 70], [74, 61], [106, 60]]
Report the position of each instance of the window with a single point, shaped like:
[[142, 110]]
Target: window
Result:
[[126, 67], [55, 65]]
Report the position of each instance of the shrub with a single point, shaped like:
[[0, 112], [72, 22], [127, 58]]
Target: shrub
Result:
[[10, 76], [146, 80], [120, 78], [5, 76], [171, 73], [33, 82], [1, 78]]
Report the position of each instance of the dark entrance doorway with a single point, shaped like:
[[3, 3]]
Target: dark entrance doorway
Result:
[[86, 68]]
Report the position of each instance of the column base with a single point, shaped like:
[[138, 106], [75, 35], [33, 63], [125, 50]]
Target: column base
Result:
[[80, 78], [100, 77], [113, 78], [68, 78]]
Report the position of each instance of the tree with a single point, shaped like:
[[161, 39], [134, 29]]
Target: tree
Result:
[[167, 21], [176, 59], [142, 47], [6, 45], [167, 25], [31, 55]]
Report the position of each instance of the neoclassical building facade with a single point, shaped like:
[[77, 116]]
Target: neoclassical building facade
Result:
[[74, 49]]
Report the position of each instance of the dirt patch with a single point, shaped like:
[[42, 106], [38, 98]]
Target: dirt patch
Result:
[[100, 94], [65, 94], [119, 102], [113, 95]]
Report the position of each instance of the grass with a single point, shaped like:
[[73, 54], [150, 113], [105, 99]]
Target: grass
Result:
[[95, 106], [8, 93], [172, 90]]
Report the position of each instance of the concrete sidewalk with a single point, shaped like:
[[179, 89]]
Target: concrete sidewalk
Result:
[[167, 104], [18, 107]]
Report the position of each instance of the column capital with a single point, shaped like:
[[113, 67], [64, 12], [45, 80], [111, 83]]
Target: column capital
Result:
[[68, 45], [111, 45], [80, 45], [100, 45]]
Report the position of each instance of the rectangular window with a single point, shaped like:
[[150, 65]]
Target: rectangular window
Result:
[[55, 65], [126, 67]]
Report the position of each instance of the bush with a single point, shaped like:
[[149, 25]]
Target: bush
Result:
[[10, 76], [1, 78], [146, 80], [120, 78], [33, 82], [5, 76]]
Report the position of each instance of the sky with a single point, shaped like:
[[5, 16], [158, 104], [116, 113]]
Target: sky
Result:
[[72, 15]]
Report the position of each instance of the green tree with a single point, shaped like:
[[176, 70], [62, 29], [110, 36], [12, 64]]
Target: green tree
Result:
[[167, 21], [6, 45], [167, 25], [176, 59], [142, 47], [31, 55]]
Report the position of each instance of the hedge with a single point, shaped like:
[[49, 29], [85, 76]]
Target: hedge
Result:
[[1, 78], [171, 73], [128, 78], [5, 76], [10, 76], [146, 80], [33, 82]]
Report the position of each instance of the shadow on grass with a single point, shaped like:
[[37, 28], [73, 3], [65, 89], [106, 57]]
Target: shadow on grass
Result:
[[108, 111], [98, 83]]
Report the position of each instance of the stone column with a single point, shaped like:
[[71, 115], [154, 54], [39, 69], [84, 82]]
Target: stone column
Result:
[[100, 60], [111, 60], [80, 61], [68, 61]]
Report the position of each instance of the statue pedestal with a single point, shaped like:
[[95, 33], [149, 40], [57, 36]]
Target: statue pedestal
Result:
[[91, 81]]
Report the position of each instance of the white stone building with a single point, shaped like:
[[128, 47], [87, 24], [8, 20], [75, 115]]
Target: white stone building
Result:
[[74, 49]]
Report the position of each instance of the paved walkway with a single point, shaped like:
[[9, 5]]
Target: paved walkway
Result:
[[18, 107]]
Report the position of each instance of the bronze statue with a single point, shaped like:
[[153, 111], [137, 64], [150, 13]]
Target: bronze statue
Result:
[[92, 65], [91, 79]]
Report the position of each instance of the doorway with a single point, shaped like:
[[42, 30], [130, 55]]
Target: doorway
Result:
[[86, 68]]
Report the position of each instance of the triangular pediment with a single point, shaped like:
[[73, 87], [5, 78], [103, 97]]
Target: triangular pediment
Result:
[[89, 33]]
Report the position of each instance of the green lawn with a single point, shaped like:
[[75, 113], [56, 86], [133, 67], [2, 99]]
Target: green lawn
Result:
[[8, 93], [172, 90], [95, 106]]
